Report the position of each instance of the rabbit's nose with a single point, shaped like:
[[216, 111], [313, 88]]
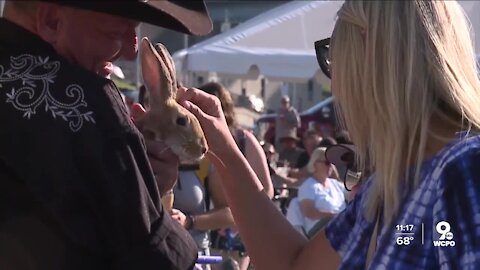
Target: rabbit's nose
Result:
[[204, 150]]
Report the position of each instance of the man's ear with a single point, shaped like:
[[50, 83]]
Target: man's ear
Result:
[[48, 19]]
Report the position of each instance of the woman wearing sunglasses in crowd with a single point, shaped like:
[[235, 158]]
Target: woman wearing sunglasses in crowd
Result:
[[319, 196], [405, 79]]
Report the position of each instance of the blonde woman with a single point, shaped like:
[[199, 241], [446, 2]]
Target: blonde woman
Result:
[[405, 79]]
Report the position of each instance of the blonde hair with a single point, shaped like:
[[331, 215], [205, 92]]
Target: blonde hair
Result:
[[404, 65], [317, 154]]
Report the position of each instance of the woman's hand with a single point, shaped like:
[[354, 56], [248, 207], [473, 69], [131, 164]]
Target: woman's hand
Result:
[[208, 110]]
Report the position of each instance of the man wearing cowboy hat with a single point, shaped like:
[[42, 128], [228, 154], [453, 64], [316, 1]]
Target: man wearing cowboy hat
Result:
[[290, 151], [77, 188]]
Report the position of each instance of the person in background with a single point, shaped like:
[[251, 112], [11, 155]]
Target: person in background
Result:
[[295, 216], [190, 193], [271, 156], [282, 183], [290, 152], [327, 142], [343, 137], [269, 135], [286, 122], [194, 194], [279, 175], [246, 141], [311, 139], [320, 197]]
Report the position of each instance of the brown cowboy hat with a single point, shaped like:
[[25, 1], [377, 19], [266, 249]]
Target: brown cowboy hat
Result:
[[189, 17]]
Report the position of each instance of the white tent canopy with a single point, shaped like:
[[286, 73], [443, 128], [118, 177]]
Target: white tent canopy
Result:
[[277, 44]]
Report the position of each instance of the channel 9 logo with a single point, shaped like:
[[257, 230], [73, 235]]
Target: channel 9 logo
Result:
[[446, 236]]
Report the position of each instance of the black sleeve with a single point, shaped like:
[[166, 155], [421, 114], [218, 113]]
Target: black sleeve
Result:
[[21, 231], [84, 202], [168, 245], [97, 217]]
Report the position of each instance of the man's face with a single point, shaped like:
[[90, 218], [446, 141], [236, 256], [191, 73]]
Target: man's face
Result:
[[288, 143], [311, 141], [94, 40]]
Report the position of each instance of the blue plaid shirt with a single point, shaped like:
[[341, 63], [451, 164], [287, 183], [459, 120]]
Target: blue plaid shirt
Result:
[[419, 237]]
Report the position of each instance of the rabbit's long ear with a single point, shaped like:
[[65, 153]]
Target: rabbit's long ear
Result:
[[156, 74], [168, 60]]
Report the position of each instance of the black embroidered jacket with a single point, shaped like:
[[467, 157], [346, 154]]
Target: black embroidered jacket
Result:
[[76, 188]]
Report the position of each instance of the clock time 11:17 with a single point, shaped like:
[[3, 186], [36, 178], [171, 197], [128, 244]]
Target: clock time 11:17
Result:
[[405, 228]]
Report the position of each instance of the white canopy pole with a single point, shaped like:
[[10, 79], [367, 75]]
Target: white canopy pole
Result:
[[294, 96]]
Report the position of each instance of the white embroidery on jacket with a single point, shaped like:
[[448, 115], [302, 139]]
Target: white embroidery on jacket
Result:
[[36, 75]]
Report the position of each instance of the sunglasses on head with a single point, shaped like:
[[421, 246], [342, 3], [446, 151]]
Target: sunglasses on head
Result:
[[323, 56]]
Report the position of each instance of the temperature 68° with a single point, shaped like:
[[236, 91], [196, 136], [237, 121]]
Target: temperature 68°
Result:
[[404, 240]]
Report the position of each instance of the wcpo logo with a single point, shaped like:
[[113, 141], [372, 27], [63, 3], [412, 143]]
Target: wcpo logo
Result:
[[446, 236]]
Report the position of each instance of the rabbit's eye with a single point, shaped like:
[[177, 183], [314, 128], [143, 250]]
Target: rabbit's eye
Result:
[[181, 121]]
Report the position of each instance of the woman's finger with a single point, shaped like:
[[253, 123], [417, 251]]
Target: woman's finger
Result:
[[206, 102], [201, 116], [181, 91]]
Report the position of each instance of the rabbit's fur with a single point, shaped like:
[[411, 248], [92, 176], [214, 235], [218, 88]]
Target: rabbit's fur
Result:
[[166, 120]]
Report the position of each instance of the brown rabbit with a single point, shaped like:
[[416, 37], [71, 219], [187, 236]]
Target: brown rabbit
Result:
[[166, 120]]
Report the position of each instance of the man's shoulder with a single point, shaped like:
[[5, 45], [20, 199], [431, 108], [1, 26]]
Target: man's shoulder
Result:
[[44, 86], [42, 66]]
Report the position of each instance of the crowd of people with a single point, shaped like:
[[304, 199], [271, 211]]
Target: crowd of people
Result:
[[309, 189], [82, 181]]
